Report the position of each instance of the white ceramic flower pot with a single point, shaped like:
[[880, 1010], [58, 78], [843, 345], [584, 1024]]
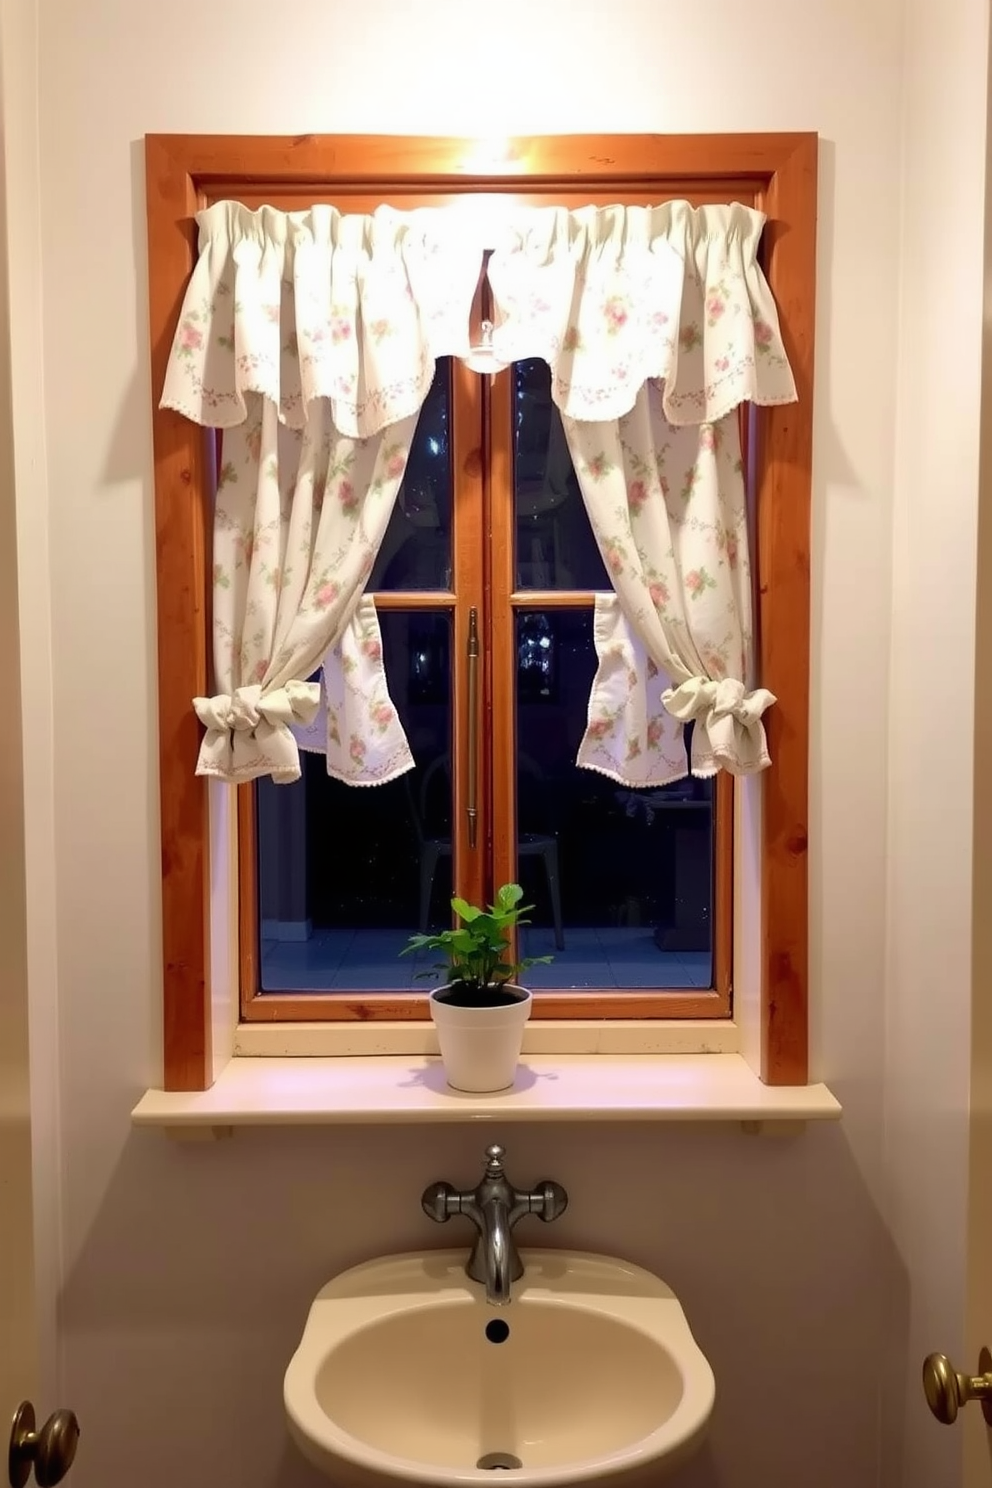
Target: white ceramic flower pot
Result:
[[480, 1047]]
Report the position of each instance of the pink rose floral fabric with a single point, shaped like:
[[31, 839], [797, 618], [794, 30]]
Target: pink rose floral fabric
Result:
[[299, 518], [667, 505], [611, 297], [299, 306], [657, 323], [629, 736], [356, 726], [311, 338]]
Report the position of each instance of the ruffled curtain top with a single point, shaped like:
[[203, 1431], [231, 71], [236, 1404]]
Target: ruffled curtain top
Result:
[[613, 296], [303, 305], [357, 309]]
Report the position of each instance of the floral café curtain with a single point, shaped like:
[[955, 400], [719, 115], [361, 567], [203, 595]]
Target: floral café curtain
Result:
[[658, 324], [310, 338]]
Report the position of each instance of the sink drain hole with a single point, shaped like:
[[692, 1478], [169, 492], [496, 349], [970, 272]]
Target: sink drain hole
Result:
[[497, 1331], [499, 1462]]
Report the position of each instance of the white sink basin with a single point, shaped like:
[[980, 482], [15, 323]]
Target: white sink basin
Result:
[[597, 1376]]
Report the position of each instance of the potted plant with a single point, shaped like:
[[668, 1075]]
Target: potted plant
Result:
[[481, 1010]]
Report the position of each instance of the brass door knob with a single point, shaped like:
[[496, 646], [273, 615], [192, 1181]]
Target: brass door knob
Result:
[[947, 1390], [51, 1450]]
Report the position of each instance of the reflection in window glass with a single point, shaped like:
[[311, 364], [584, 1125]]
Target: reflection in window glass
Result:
[[555, 548], [345, 874], [621, 880], [416, 550]]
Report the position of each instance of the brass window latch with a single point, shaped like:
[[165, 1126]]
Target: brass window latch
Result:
[[471, 808]]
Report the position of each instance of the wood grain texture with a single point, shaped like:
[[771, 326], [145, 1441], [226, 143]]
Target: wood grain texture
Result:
[[723, 887], [783, 465], [775, 172], [362, 1006], [182, 516], [357, 1006], [406, 197], [415, 599], [249, 944], [378, 162], [468, 545], [501, 639], [553, 599]]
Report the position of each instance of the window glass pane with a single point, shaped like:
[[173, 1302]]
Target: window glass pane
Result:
[[626, 874], [346, 874], [555, 548], [416, 550]]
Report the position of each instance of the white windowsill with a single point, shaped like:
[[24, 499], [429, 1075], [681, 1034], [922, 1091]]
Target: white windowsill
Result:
[[549, 1087]]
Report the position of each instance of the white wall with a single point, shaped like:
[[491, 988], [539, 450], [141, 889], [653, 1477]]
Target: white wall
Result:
[[932, 770], [27, 832], [188, 1271]]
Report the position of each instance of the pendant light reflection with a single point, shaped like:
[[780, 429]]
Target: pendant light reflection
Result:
[[481, 356]]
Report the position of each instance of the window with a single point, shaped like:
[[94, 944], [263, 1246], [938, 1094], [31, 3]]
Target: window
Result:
[[489, 522], [625, 885]]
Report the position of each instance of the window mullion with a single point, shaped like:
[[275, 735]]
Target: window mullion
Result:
[[469, 876], [501, 644]]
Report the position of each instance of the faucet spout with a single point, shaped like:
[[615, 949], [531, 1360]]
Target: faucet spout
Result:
[[499, 1252]]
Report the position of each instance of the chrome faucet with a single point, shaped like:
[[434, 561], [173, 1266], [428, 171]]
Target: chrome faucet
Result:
[[494, 1208]]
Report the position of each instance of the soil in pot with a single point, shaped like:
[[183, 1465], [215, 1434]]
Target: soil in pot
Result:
[[494, 997]]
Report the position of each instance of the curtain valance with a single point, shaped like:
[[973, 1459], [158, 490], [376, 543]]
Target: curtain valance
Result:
[[297, 306], [613, 296], [356, 309]]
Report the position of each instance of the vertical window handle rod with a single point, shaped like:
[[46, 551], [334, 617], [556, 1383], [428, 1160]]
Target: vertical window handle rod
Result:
[[471, 808]]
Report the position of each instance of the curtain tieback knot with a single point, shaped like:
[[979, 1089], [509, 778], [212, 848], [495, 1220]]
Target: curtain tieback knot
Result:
[[247, 707], [248, 732], [727, 698], [728, 728]]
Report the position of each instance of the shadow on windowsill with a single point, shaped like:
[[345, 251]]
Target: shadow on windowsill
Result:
[[433, 1078]]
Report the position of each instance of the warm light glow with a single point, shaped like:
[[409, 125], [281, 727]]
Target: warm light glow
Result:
[[481, 357], [486, 156]]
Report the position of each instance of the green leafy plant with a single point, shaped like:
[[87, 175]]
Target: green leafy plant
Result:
[[475, 950]]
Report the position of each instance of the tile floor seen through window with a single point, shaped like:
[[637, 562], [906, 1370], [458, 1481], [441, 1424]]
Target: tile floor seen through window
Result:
[[359, 960]]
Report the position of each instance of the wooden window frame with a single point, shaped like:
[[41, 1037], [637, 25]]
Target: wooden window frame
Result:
[[778, 173], [482, 471]]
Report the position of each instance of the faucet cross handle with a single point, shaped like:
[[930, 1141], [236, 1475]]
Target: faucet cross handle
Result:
[[548, 1200], [440, 1201]]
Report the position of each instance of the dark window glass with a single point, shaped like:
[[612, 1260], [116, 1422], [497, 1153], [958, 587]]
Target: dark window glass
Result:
[[347, 874], [555, 548], [416, 550], [621, 880]]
